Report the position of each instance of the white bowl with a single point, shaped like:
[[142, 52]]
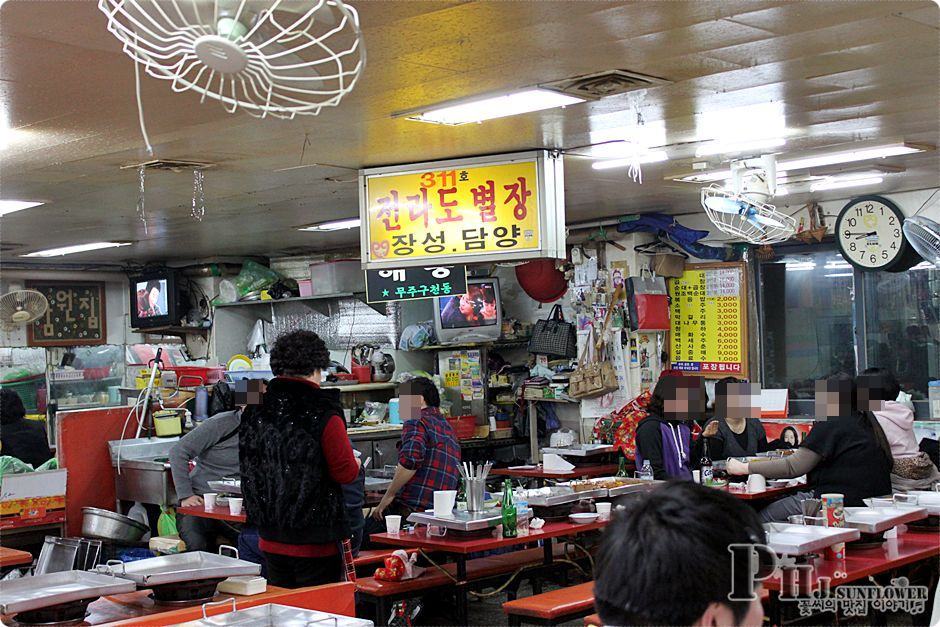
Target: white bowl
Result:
[[584, 517]]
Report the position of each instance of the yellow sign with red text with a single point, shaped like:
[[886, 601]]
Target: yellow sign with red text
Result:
[[462, 211]]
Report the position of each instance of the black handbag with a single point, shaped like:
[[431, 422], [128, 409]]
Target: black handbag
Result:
[[554, 337]]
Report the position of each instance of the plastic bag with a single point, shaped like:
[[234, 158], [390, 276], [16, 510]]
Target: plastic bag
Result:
[[254, 277], [12, 465], [166, 523], [50, 464]]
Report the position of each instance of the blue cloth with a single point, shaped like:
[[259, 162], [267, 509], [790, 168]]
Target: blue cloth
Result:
[[248, 549], [682, 236]]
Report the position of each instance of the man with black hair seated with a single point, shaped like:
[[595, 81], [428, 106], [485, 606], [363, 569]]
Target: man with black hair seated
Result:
[[665, 560]]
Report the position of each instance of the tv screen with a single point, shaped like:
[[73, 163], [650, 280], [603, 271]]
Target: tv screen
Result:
[[154, 300], [477, 308], [151, 298]]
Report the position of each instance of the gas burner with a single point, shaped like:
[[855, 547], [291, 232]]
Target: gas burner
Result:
[[71, 613], [185, 592]]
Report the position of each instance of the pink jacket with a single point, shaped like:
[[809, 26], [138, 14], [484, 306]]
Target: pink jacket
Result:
[[897, 421]]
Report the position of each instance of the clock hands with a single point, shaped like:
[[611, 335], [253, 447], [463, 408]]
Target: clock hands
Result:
[[860, 235]]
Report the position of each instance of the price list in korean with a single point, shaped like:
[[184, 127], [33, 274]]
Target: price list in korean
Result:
[[706, 318]]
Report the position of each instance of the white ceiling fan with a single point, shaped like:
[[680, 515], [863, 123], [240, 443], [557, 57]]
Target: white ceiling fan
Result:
[[268, 57], [742, 211], [20, 307]]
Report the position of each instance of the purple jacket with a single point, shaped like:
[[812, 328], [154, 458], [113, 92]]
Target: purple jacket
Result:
[[667, 444]]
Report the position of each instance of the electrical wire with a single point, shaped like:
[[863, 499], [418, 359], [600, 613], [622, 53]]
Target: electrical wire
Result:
[[140, 106]]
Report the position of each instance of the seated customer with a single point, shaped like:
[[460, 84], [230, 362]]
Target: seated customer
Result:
[[295, 456], [213, 446], [736, 430], [664, 437], [912, 469], [665, 560], [429, 458], [21, 438], [845, 453]]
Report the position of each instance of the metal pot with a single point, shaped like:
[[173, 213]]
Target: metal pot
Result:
[[107, 525]]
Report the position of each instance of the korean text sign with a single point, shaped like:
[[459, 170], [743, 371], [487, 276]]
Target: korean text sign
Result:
[[415, 283], [708, 319], [482, 210]]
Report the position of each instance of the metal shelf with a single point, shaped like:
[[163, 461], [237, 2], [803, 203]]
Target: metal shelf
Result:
[[296, 299], [493, 344], [361, 387], [173, 331]]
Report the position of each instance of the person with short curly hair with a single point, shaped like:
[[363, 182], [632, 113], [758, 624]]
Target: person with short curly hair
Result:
[[295, 457]]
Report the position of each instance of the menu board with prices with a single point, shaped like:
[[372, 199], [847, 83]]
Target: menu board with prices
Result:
[[708, 314], [75, 317]]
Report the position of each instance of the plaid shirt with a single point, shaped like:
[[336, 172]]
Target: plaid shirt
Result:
[[429, 446]]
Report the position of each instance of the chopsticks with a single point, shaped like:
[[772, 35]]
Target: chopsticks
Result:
[[472, 472]]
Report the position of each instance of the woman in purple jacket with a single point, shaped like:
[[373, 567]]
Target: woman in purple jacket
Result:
[[664, 437]]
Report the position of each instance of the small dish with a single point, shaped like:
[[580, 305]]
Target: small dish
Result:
[[584, 517]]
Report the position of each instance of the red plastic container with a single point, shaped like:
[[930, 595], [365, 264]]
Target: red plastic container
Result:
[[194, 376], [464, 426], [94, 374]]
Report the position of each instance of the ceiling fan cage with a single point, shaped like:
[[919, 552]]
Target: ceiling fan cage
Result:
[[755, 223], [21, 307], [278, 58], [923, 235]]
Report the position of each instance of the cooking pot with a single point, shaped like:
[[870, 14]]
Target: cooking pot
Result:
[[108, 525]]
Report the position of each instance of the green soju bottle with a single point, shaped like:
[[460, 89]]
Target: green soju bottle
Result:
[[509, 511], [622, 468]]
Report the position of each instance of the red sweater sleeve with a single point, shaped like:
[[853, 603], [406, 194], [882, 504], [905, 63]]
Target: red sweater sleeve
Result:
[[338, 451]]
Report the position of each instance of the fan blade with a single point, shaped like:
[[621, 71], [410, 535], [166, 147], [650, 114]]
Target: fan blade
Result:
[[754, 221], [768, 221], [724, 205]]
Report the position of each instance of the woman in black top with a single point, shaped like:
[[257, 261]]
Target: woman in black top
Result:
[[846, 453], [21, 438], [734, 432]]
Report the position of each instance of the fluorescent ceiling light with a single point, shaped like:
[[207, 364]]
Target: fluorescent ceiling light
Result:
[[794, 266], [9, 206], [862, 154], [654, 156], [78, 248], [840, 183], [725, 147], [835, 274], [494, 107], [335, 225]]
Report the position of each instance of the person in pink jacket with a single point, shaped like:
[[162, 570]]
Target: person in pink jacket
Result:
[[913, 469]]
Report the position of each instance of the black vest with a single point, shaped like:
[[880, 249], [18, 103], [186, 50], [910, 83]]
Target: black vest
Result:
[[289, 494]]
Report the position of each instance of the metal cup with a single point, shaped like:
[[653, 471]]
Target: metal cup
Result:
[[474, 488]]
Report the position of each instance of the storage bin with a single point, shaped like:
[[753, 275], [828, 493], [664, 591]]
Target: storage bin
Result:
[[305, 288], [194, 376], [333, 277], [464, 426], [239, 375]]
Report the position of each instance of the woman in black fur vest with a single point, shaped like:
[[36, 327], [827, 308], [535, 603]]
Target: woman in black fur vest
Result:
[[295, 456]]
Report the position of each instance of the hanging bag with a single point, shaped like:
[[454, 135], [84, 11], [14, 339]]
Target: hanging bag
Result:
[[594, 376], [554, 337], [649, 303]]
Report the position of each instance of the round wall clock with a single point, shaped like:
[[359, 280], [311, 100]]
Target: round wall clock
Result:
[[868, 230]]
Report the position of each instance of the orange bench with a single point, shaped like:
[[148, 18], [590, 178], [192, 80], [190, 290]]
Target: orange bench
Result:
[[551, 608]]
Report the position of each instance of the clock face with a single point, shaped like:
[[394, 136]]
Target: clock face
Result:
[[869, 233]]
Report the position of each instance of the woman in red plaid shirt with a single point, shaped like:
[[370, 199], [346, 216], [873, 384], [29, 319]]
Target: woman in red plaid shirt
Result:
[[429, 458]]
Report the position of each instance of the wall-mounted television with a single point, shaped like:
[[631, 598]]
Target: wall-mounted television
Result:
[[472, 317], [154, 299]]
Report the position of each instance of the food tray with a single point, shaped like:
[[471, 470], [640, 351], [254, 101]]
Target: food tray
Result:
[[562, 495], [878, 519], [227, 486], [787, 539], [465, 521], [274, 615], [190, 566], [632, 488], [930, 501], [376, 484], [580, 450], [32, 593]]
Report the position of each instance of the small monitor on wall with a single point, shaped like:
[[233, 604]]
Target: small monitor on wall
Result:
[[472, 317], [154, 298]]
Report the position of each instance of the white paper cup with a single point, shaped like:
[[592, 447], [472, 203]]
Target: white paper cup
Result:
[[235, 506], [393, 523], [603, 510], [697, 476], [756, 483], [209, 499], [444, 502]]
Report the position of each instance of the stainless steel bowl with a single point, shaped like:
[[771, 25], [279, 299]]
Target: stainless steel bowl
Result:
[[108, 525]]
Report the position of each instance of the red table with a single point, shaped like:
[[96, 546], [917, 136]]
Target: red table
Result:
[[579, 472], [461, 548], [219, 513], [14, 557], [769, 493]]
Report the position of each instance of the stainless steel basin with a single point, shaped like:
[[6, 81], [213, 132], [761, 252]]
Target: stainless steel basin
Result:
[[141, 472]]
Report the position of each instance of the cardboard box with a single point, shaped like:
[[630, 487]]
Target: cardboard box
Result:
[[32, 498]]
